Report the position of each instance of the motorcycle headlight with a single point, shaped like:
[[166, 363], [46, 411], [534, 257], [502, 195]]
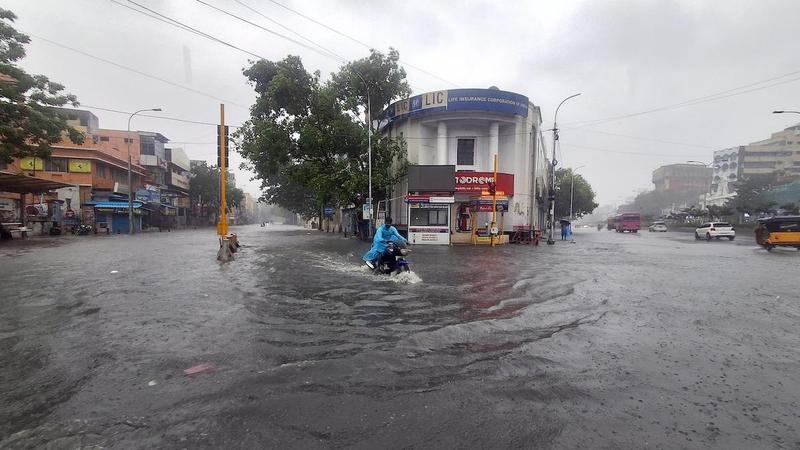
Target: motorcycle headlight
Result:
[[404, 251]]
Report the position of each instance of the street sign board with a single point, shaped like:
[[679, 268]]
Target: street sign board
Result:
[[328, 210], [365, 208]]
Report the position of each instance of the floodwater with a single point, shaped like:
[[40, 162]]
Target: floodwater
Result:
[[614, 341]]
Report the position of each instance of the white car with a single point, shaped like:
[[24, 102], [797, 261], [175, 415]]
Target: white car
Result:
[[711, 230], [658, 226]]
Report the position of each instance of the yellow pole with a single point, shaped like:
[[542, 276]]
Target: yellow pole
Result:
[[222, 227], [494, 202]]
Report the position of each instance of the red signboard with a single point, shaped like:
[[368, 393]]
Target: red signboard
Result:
[[477, 182]]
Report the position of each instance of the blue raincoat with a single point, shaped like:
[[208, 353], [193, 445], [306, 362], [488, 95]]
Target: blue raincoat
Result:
[[382, 233]]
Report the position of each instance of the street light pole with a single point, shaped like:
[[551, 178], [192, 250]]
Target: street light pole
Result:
[[550, 239], [369, 149], [130, 177], [572, 190], [785, 112]]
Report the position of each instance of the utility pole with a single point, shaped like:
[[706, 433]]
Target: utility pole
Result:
[[550, 240], [130, 177], [369, 148], [493, 229], [222, 226]]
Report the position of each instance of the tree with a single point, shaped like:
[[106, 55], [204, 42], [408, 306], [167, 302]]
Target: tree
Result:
[[307, 140], [582, 198], [748, 194], [718, 212], [28, 123], [204, 188]]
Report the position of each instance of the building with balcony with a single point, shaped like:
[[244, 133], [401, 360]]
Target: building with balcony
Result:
[[453, 138], [97, 169], [779, 153], [176, 192]]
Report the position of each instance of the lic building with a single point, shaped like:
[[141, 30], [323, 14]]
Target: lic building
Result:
[[453, 138]]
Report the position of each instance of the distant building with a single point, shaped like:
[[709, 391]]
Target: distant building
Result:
[[98, 170], [682, 178], [727, 169], [781, 152], [177, 191]]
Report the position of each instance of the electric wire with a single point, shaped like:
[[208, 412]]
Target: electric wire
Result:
[[362, 43], [136, 71]]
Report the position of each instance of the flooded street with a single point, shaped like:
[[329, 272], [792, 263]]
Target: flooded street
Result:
[[615, 341]]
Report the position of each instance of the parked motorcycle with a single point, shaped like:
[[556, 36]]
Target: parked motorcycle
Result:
[[82, 230], [393, 260]]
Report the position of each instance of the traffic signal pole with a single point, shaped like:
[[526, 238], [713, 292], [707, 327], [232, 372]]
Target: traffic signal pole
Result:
[[494, 205], [222, 226]]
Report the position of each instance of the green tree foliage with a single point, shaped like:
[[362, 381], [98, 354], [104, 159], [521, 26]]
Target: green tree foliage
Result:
[[307, 139], [748, 194], [204, 187], [28, 124], [653, 202], [582, 198]]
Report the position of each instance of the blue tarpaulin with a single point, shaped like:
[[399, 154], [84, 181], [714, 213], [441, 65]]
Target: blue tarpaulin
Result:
[[114, 205]]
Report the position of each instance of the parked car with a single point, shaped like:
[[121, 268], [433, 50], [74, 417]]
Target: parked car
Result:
[[657, 226], [711, 230]]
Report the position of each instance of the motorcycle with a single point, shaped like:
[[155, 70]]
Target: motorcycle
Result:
[[82, 230], [393, 259]]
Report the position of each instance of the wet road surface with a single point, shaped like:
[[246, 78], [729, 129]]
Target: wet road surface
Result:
[[615, 341]]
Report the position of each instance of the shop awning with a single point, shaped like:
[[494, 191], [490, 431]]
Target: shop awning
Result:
[[115, 205], [26, 184]]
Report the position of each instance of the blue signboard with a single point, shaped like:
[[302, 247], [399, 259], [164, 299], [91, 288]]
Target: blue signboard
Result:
[[328, 210], [148, 196], [492, 100]]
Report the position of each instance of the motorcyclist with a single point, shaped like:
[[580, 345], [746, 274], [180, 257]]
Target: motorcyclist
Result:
[[384, 233]]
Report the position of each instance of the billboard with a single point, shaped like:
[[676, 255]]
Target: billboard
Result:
[[31, 164], [478, 182], [80, 166], [431, 178], [492, 100]]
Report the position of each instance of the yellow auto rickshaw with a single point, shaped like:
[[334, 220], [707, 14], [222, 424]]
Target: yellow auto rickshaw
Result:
[[778, 231]]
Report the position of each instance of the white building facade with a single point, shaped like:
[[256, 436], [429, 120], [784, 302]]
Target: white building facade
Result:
[[467, 129], [727, 169]]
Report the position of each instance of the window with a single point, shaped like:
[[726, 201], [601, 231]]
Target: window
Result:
[[759, 164], [429, 217], [119, 176], [465, 152], [103, 138], [128, 140], [101, 171], [722, 224], [55, 165], [437, 217]]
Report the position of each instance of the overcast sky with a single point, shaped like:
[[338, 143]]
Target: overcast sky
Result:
[[624, 57]]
